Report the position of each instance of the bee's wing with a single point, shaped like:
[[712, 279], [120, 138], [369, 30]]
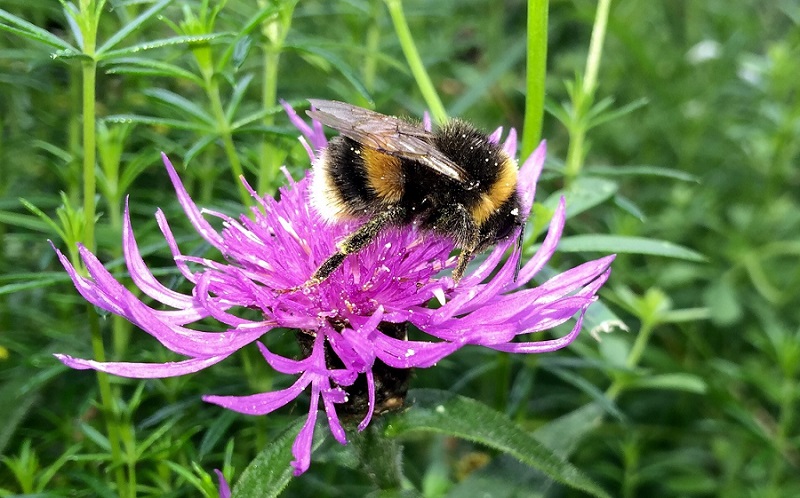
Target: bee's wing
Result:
[[386, 134]]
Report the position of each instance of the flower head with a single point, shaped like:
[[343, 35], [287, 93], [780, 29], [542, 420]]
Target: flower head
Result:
[[351, 327]]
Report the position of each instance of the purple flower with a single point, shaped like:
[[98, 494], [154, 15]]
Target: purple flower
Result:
[[224, 489], [348, 317]]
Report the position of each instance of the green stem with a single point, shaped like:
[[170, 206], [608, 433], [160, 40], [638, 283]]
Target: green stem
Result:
[[424, 82], [373, 44], [269, 92], [275, 31], [583, 97], [536, 63], [224, 129], [89, 20], [596, 47], [110, 413], [575, 152], [634, 356], [782, 438], [379, 456], [89, 152]]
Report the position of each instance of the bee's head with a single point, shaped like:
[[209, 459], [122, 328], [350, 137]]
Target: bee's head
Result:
[[501, 224]]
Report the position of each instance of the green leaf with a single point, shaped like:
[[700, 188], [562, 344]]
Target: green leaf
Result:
[[724, 303], [135, 166], [164, 42], [155, 121], [602, 116], [673, 382], [181, 103], [629, 207], [16, 401], [446, 413], [236, 97], [500, 67], [338, 63], [585, 193], [23, 28], [626, 244], [27, 281], [579, 381], [196, 148], [241, 42], [151, 67], [642, 170], [563, 434], [132, 26], [40, 223], [270, 472]]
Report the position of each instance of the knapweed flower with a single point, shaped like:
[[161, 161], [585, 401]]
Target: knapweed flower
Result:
[[351, 327], [224, 489]]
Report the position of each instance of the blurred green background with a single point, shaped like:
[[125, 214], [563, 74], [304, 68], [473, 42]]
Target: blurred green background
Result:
[[699, 398]]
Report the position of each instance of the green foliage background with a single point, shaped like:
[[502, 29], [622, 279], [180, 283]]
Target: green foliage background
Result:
[[699, 398]]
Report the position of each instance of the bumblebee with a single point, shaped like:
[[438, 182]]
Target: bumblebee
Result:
[[452, 181]]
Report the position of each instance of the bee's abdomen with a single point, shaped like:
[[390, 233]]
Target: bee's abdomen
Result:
[[340, 186]]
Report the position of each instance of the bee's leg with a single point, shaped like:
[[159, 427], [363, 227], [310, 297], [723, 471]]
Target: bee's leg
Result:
[[356, 241], [456, 222], [461, 266]]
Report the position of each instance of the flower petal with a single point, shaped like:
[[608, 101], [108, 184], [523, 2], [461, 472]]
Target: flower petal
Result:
[[140, 273], [200, 224], [301, 449], [262, 403], [529, 176], [142, 370]]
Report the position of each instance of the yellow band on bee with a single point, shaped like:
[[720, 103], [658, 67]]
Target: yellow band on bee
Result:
[[384, 175], [499, 193]]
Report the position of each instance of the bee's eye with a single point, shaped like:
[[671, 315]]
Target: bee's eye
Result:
[[504, 231]]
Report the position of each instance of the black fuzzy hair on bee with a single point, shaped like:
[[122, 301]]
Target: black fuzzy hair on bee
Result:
[[452, 181]]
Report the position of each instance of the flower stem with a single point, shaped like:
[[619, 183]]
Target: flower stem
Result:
[[88, 21], [634, 356], [536, 63], [424, 82], [379, 456], [107, 401], [583, 97], [596, 47], [224, 129], [373, 44], [89, 75], [275, 31]]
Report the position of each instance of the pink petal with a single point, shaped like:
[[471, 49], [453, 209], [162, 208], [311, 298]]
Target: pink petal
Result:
[[200, 224], [142, 370], [141, 274], [262, 403]]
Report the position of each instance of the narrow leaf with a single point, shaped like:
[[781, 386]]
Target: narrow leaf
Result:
[[181, 103], [583, 194], [143, 65], [671, 382], [154, 121], [165, 42], [269, 473], [23, 28], [340, 66], [446, 413], [132, 26], [643, 170], [625, 244], [236, 97]]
